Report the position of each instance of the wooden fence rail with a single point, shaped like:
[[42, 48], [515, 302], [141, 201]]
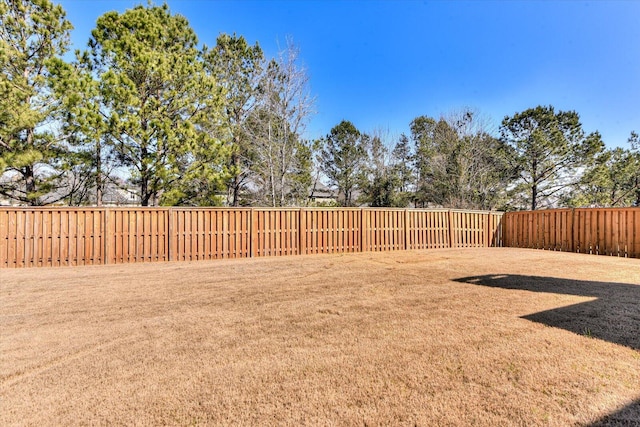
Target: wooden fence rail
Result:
[[37, 237], [600, 231]]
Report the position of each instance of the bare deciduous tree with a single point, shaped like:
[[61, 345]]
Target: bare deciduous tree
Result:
[[282, 164]]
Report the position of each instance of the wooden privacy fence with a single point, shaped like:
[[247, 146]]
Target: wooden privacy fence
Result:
[[601, 231], [33, 237]]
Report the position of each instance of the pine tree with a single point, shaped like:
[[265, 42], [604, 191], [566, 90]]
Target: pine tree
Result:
[[342, 159], [156, 99], [32, 34], [547, 148], [238, 68]]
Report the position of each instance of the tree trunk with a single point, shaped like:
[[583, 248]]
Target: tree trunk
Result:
[[99, 181], [272, 177], [145, 195], [236, 192], [29, 175], [30, 185], [235, 182]]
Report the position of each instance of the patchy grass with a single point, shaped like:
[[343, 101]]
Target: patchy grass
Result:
[[442, 337]]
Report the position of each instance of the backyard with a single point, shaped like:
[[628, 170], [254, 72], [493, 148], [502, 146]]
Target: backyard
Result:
[[491, 336]]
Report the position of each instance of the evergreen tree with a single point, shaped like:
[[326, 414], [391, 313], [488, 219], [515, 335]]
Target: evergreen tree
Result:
[[381, 183], [423, 137], [156, 100], [85, 127], [458, 163], [548, 149], [613, 181], [402, 158], [32, 156], [238, 68], [342, 159]]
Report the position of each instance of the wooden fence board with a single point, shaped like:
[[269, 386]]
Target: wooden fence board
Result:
[[598, 231], [31, 237]]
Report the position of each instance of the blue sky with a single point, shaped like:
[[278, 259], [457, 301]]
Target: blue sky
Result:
[[380, 64]]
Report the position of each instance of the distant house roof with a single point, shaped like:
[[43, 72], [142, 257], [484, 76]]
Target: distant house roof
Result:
[[321, 191], [116, 193], [120, 194]]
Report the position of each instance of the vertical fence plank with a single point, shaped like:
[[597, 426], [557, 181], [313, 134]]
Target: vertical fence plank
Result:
[[170, 236], [106, 237], [83, 236], [451, 228], [634, 234], [598, 231], [363, 232], [407, 230]]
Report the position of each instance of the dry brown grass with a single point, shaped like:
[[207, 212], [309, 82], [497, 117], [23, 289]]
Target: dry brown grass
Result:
[[444, 337]]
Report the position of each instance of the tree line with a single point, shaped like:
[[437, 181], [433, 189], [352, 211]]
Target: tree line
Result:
[[147, 108]]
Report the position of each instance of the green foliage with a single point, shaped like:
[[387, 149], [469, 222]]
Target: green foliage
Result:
[[224, 125], [238, 68], [301, 173], [32, 34], [423, 134], [381, 192], [548, 148], [458, 164], [613, 180], [402, 158], [85, 125], [324, 204], [342, 159], [381, 181], [156, 99]]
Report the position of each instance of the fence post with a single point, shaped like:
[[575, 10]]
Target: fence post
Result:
[[572, 248], [169, 233], [487, 230], [450, 226]]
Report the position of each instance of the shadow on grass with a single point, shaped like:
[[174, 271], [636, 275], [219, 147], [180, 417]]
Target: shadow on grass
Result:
[[626, 416], [613, 316]]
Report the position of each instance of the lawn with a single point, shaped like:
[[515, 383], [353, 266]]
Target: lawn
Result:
[[441, 337]]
